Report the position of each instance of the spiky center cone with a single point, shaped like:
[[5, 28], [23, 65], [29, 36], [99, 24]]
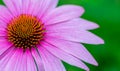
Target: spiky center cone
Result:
[[25, 31]]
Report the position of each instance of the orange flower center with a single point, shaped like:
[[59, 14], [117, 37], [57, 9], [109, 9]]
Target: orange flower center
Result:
[[25, 31]]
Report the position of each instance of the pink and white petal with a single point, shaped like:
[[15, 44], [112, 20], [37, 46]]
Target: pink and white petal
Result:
[[38, 59], [51, 63], [5, 16], [77, 23], [64, 56], [31, 65], [76, 49], [82, 36], [63, 13], [14, 6]]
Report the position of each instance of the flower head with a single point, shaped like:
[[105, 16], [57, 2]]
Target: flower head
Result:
[[35, 35]]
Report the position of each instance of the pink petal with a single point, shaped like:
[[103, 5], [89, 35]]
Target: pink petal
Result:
[[51, 63], [15, 6], [2, 29], [38, 59], [76, 49], [17, 61], [3, 33], [31, 66], [23, 63], [77, 23], [63, 13], [64, 56], [38, 7], [5, 58], [26, 5], [4, 45], [82, 36], [14, 64], [5, 16], [46, 6], [31, 6]]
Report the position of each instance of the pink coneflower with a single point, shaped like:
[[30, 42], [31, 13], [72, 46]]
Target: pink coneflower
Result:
[[37, 36]]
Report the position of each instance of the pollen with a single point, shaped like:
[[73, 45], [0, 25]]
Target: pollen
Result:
[[25, 31]]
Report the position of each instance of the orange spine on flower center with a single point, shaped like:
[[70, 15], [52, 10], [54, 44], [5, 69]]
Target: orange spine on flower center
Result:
[[25, 31]]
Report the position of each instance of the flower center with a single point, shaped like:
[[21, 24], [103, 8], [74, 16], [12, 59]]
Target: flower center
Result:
[[25, 31]]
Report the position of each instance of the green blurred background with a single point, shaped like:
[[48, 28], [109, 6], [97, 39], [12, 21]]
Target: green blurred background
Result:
[[106, 13]]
